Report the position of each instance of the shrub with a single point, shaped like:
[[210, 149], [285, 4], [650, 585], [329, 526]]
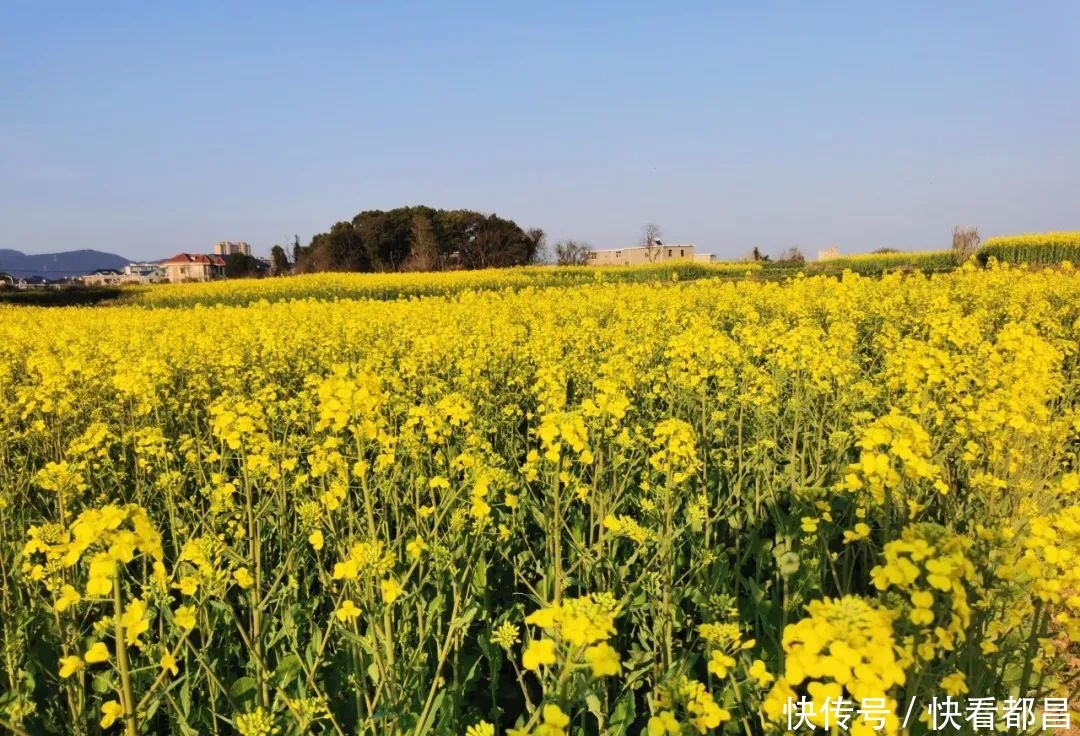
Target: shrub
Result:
[[965, 240], [792, 257]]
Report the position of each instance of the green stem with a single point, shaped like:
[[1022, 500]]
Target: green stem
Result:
[[444, 649], [13, 728], [556, 541], [127, 696]]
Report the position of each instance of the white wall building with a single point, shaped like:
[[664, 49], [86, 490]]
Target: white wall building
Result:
[[638, 255], [229, 247]]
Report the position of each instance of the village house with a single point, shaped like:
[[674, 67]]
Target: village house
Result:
[[143, 272], [102, 277], [194, 267], [639, 255], [38, 282]]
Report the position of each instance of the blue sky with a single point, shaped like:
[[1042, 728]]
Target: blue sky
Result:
[[149, 128]]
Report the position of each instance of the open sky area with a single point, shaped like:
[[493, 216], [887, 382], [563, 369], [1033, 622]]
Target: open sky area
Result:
[[145, 129]]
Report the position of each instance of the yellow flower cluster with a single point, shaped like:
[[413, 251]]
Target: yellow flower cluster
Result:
[[350, 401], [843, 648], [724, 642], [554, 722], [626, 526], [892, 449], [256, 723], [1049, 557], [674, 451], [61, 477], [557, 430], [930, 568], [119, 533], [578, 628], [364, 558], [690, 699]]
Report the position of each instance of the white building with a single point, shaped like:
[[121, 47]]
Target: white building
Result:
[[143, 272], [140, 268], [638, 255], [228, 248], [102, 277]]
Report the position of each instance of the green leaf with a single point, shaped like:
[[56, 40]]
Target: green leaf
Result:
[[287, 669], [101, 683], [424, 728], [622, 715], [243, 689], [593, 704], [185, 696], [479, 578]]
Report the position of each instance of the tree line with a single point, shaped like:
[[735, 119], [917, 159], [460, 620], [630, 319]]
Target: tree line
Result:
[[427, 239]]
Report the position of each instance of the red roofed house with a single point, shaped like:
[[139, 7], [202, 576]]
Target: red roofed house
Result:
[[194, 267]]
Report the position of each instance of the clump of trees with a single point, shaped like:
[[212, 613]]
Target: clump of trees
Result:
[[757, 256], [789, 257], [419, 239], [241, 266], [572, 253]]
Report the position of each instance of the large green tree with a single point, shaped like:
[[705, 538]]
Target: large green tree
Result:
[[241, 266], [420, 238], [279, 261]]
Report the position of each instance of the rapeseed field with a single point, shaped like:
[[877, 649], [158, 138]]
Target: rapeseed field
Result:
[[605, 507]]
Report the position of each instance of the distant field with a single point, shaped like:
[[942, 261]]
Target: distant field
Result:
[[383, 286], [329, 286], [1040, 249], [77, 296], [1034, 248], [876, 263]]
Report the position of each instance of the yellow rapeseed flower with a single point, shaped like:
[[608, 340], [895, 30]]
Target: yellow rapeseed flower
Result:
[[110, 712], [391, 590], [540, 652], [347, 611], [70, 665], [168, 663], [97, 653], [603, 659], [184, 617]]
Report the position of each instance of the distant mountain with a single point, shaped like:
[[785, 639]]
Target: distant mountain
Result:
[[58, 265]]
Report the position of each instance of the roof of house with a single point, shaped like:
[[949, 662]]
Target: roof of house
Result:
[[199, 258]]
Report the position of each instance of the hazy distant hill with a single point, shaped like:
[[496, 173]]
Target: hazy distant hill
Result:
[[58, 265]]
